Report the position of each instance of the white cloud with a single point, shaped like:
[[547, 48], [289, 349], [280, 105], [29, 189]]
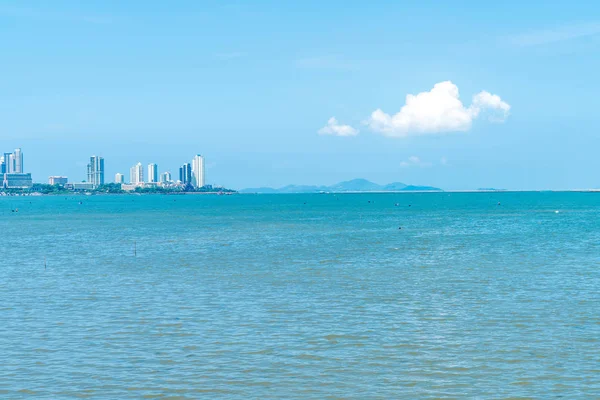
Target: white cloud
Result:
[[437, 111], [334, 128], [485, 100], [415, 161]]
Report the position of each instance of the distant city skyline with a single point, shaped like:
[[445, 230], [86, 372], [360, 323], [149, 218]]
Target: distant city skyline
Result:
[[12, 174], [189, 173]]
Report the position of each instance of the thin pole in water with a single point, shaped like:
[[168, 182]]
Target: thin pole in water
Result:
[[45, 264], [135, 248]]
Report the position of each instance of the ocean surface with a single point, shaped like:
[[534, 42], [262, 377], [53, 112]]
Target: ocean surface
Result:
[[478, 295]]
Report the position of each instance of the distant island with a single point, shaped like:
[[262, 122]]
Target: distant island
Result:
[[352, 186]]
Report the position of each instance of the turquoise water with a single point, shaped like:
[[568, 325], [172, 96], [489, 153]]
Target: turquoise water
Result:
[[301, 296]]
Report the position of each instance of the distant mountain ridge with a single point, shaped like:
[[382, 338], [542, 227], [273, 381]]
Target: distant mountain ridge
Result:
[[354, 185]]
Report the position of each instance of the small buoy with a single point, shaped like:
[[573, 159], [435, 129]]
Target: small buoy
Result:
[[397, 204], [556, 212], [399, 227], [498, 203]]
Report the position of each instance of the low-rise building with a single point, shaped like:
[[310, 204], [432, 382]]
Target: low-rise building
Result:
[[129, 187], [82, 186], [58, 180], [17, 181]]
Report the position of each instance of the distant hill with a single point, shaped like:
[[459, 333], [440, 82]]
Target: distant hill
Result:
[[355, 185]]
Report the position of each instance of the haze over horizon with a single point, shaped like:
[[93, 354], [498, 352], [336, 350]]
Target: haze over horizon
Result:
[[452, 96]]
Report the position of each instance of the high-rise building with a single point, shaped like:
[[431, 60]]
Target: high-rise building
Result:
[[152, 173], [11, 167], [119, 178], [198, 171], [165, 177], [136, 174], [185, 173], [95, 171], [7, 161], [11, 163], [18, 155]]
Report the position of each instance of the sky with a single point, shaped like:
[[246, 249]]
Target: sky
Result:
[[459, 95]]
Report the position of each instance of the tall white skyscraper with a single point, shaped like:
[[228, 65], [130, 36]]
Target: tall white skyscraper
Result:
[[18, 161], [152, 173], [198, 171], [136, 174], [11, 163], [119, 178]]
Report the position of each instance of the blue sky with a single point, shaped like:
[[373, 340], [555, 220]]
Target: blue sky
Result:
[[250, 84]]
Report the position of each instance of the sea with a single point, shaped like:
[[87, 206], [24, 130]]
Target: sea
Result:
[[308, 296]]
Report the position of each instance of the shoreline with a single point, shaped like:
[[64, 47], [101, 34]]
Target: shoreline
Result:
[[38, 194], [437, 191]]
